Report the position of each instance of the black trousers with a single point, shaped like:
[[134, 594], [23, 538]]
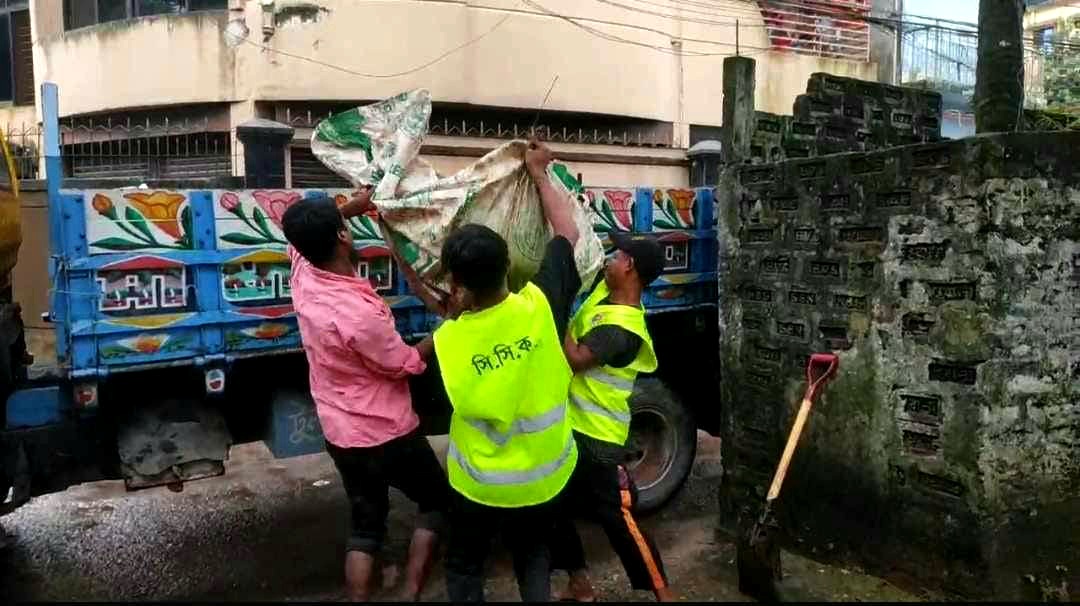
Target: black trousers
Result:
[[605, 493], [471, 528], [407, 463]]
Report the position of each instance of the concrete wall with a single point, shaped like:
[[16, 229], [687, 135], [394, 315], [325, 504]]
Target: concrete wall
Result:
[[846, 114], [138, 63], [183, 59], [781, 77], [15, 116], [946, 276]]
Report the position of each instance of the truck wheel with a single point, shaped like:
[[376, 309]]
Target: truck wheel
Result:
[[662, 443]]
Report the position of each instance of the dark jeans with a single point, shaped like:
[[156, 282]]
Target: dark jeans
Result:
[[406, 463], [605, 493], [471, 530]]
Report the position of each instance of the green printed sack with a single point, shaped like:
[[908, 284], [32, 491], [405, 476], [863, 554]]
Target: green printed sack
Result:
[[379, 145]]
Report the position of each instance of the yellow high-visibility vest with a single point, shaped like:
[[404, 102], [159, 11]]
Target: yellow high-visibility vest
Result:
[[600, 397], [507, 377]]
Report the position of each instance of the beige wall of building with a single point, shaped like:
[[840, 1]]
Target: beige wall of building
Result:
[[184, 59], [599, 165], [16, 115], [137, 63]]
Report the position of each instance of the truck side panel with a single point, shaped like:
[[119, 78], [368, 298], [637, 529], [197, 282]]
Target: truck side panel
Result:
[[155, 277]]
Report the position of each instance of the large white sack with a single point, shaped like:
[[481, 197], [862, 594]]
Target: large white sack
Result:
[[379, 144]]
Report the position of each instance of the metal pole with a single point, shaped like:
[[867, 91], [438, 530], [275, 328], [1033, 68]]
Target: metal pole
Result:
[[50, 120]]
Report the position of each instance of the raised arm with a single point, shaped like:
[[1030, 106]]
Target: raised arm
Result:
[[359, 204], [557, 207]]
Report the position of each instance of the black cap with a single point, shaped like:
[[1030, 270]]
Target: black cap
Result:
[[646, 252]]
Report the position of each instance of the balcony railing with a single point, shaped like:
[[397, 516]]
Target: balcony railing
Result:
[[826, 28]]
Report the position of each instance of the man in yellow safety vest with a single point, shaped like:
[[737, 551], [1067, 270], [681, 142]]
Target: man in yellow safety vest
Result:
[[607, 346], [511, 450]]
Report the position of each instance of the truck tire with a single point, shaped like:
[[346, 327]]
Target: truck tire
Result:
[[662, 443]]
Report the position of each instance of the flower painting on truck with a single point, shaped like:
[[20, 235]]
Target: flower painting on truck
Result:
[[138, 221], [252, 218]]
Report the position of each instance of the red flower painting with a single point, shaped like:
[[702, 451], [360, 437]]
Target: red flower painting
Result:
[[276, 202], [673, 209], [622, 206], [683, 200]]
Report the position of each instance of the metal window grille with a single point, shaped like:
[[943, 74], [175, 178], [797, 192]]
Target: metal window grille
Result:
[[826, 28]]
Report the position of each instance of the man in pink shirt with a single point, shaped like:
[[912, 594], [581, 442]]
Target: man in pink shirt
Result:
[[359, 371]]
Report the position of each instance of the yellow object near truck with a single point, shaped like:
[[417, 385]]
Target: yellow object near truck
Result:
[[10, 222]]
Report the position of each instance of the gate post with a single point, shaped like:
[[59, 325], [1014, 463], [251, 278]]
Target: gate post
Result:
[[705, 159], [265, 144], [739, 112]]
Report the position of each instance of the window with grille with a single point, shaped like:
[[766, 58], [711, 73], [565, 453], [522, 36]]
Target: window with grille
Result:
[[827, 28], [84, 13]]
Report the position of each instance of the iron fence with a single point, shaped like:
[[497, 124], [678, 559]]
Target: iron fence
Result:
[[107, 149], [945, 57], [556, 131], [24, 140]]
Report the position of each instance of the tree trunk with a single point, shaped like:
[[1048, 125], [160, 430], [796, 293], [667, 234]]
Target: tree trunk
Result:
[[999, 77]]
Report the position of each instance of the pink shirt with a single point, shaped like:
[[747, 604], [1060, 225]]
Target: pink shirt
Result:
[[359, 363]]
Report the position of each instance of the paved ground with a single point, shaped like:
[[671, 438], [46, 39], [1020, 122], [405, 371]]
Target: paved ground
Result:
[[273, 530]]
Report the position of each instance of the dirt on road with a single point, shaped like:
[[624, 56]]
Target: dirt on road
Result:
[[274, 530]]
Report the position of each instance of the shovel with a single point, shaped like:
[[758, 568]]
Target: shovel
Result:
[[757, 555]]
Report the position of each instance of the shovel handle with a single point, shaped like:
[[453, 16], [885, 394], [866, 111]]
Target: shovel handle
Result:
[[831, 363], [789, 449]]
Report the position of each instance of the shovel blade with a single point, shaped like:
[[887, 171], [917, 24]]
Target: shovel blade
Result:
[[757, 557]]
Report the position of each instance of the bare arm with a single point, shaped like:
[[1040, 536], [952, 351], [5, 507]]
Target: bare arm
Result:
[[359, 204], [557, 207], [435, 301], [426, 348], [579, 356]]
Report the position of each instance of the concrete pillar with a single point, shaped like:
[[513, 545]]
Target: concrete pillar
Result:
[[885, 41], [738, 127], [265, 144]]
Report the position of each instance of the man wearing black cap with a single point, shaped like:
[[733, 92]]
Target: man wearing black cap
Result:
[[607, 346]]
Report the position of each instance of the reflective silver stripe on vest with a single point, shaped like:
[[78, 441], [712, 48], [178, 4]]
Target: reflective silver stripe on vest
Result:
[[499, 478], [530, 425], [598, 374], [589, 408]]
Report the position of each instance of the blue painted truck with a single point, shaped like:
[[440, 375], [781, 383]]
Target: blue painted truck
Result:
[[183, 294]]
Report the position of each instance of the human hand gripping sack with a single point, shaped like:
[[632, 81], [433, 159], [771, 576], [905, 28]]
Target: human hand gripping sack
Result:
[[537, 158], [558, 209], [360, 204]]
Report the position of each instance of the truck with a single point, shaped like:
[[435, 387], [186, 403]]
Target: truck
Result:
[[176, 337]]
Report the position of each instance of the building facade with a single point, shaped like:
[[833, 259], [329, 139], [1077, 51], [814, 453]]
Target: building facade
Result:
[[1052, 68], [156, 88]]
